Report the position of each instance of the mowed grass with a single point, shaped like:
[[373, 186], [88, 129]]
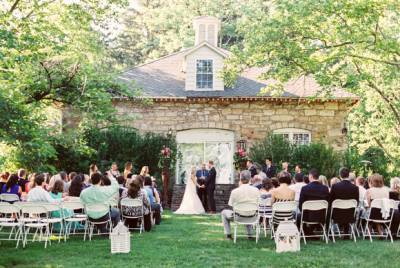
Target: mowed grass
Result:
[[198, 241]]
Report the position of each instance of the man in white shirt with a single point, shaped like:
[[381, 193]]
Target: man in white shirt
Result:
[[38, 194], [299, 179], [243, 196]]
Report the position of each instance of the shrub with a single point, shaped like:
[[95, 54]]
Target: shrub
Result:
[[275, 146]]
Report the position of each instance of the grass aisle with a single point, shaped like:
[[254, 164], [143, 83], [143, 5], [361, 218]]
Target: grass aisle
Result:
[[197, 241]]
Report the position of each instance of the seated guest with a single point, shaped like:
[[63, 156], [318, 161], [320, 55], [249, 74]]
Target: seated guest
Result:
[[65, 178], [152, 198], [76, 186], [251, 167], [93, 169], [395, 189], [275, 182], [3, 179], [285, 167], [323, 180], [352, 177], [334, 180], [22, 181], [31, 184], [299, 183], [133, 192], [105, 181], [283, 192], [266, 187], [121, 182], [256, 181], [269, 168], [245, 194], [145, 171], [97, 194], [313, 191], [57, 190], [38, 193], [306, 179], [376, 190], [344, 190], [156, 193], [114, 171], [360, 182], [12, 186], [128, 169]]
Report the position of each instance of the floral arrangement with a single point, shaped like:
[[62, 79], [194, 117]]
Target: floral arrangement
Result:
[[165, 157], [240, 158]]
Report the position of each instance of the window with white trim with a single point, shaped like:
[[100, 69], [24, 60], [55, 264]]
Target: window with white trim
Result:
[[296, 136], [204, 74]]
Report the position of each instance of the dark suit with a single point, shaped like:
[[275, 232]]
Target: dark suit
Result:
[[270, 171], [313, 191], [210, 187], [343, 190], [201, 192], [253, 170]]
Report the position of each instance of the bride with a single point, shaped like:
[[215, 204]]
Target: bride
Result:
[[191, 203]]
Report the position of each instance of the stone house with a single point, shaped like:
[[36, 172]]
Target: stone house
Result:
[[189, 98]]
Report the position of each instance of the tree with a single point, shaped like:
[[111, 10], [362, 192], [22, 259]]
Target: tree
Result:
[[154, 29], [348, 44], [51, 56]]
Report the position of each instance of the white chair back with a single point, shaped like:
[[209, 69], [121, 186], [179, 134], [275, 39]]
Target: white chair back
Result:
[[96, 207], [9, 197], [72, 205], [315, 205], [6, 208], [33, 208], [344, 204], [284, 206]]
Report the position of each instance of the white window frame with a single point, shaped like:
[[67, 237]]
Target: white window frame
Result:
[[212, 73], [290, 132]]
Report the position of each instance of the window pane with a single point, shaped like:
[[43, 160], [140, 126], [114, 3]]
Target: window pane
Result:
[[204, 74]]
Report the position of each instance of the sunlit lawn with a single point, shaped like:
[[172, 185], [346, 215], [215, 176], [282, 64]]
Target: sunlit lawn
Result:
[[198, 241]]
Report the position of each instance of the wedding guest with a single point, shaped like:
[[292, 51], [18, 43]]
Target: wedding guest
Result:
[[128, 169], [299, 183], [57, 190], [38, 193], [152, 198], [376, 190], [114, 170], [256, 181], [93, 169], [266, 187], [31, 184], [251, 167], [65, 179], [334, 180], [283, 192], [133, 192], [313, 191], [306, 179], [275, 182], [245, 194], [323, 180], [352, 177], [12, 186], [51, 181], [360, 182], [395, 189], [285, 167], [105, 180], [22, 181], [4, 178], [76, 186], [121, 182], [97, 194], [71, 176], [156, 192], [145, 171], [269, 168]]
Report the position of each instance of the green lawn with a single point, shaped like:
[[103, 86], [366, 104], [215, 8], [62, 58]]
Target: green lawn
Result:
[[198, 241]]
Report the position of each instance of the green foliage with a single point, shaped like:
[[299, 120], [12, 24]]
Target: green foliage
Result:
[[346, 44], [378, 161], [275, 146], [316, 155]]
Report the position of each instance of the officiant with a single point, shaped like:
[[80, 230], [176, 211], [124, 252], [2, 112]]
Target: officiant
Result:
[[201, 176]]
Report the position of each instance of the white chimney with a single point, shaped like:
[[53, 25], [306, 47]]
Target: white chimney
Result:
[[207, 29]]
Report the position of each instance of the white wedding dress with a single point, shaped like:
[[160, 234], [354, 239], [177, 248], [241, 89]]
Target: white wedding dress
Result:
[[191, 203]]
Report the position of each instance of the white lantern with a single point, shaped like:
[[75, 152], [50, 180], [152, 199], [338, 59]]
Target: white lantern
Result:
[[287, 237], [120, 239]]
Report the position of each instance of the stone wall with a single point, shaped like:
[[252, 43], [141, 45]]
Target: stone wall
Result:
[[250, 120]]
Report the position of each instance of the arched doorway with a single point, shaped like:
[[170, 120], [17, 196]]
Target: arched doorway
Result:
[[197, 146]]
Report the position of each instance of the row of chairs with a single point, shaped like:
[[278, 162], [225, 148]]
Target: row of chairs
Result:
[[268, 216], [18, 219]]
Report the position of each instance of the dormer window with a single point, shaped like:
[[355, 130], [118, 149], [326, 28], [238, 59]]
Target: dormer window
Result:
[[204, 74]]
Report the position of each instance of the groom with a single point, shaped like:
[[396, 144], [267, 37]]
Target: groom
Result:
[[210, 186]]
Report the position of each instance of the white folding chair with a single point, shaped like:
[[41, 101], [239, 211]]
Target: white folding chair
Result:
[[282, 211], [75, 218], [10, 198], [246, 215], [137, 209], [32, 215], [342, 204], [384, 221], [310, 207], [95, 208], [9, 218], [51, 220], [265, 212]]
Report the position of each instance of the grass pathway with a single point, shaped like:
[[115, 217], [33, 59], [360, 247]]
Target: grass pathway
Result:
[[197, 241]]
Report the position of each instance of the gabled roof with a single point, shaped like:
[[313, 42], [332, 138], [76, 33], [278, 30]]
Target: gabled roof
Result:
[[164, 78], [224, 53]]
